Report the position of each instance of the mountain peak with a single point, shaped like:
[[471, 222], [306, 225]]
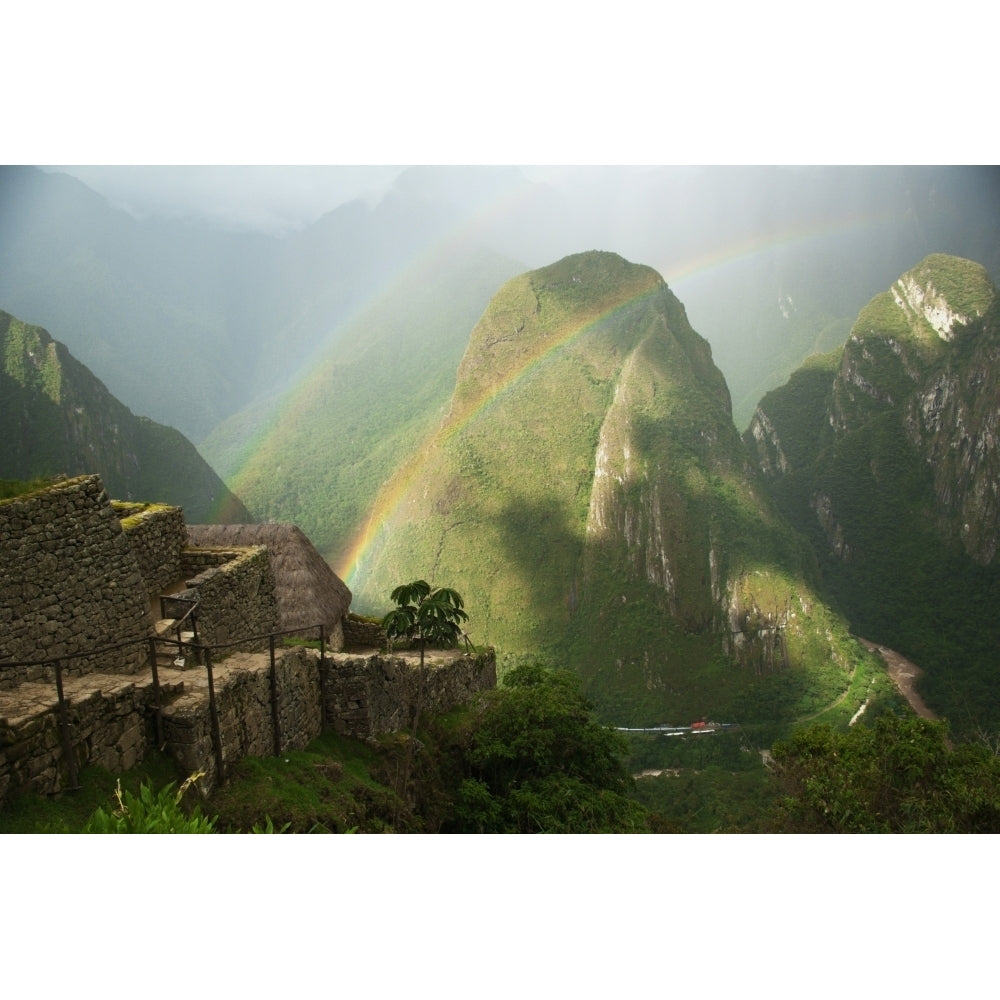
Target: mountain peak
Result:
[[929, 302]]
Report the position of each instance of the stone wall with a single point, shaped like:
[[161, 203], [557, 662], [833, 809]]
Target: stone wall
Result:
[[361, 633], [246, 724], [112, 728], [236, 599], [157, 535], [70, 583], [370, 695], [112, 719], [195, 561]]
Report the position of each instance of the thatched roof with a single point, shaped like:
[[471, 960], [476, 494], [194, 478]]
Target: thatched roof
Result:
[[308, 591]]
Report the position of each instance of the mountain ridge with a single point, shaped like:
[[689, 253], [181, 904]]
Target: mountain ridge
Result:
[[57, 418], [886, 456]]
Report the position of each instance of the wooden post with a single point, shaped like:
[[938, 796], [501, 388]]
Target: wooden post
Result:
[[322, 676], [157, 702]]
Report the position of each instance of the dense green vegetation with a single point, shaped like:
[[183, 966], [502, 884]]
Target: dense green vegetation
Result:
[[589, 496], [526, 757], [899, 776], [714, 785], [532, 759], [317, 453]]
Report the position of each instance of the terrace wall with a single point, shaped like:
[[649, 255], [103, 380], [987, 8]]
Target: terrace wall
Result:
[[157, 535], [236, 598], [71, 582]]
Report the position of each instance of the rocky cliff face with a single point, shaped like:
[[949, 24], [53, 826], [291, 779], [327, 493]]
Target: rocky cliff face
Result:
[[923, 357]]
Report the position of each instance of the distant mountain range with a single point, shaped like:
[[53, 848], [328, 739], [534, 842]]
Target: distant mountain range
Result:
[[57, 418], [772, 263]]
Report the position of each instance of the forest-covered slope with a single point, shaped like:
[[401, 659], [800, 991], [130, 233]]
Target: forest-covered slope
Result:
[[57, 418], [589, 495], [886, 454]]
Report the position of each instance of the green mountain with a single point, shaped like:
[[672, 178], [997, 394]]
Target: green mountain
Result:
[[590, 497], [885, 453], [56, 418]]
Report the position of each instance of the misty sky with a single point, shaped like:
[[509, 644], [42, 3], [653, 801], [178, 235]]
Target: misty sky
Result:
[[270, 199], [277, 199]]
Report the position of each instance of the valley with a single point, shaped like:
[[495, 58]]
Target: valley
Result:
[[691, 490]]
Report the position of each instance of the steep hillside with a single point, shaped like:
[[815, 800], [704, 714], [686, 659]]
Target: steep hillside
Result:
[[886, 454], [588, 494], [317, 454], [57, 418]]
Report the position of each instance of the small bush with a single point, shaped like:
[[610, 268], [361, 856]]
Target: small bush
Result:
[[151, 812]]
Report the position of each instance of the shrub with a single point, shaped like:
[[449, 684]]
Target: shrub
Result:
[[151, 812]]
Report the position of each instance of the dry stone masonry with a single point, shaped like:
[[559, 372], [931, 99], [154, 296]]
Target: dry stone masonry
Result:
[[236, 598], [156, 535], [70, 582], [79, 574]]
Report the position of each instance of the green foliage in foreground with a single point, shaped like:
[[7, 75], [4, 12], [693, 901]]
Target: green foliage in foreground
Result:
[[28, 812], [526, 757], [151, 812], [335, 785], [535, 760], [899, 776]]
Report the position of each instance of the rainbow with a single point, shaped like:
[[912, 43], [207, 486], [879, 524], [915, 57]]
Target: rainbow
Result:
[[675, 271], [421, 262]]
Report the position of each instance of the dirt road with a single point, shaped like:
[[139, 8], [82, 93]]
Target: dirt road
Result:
[[904, 675]]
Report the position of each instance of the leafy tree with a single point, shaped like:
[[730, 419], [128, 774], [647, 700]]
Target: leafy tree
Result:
[[899, 776], [537, 761], [425, 614]]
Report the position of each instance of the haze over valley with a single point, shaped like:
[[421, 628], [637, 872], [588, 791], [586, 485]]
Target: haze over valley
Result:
[[686, 432]]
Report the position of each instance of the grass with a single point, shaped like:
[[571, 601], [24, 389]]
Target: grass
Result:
[[333, 786], [11, 489], [330, 787], [69, 811]]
